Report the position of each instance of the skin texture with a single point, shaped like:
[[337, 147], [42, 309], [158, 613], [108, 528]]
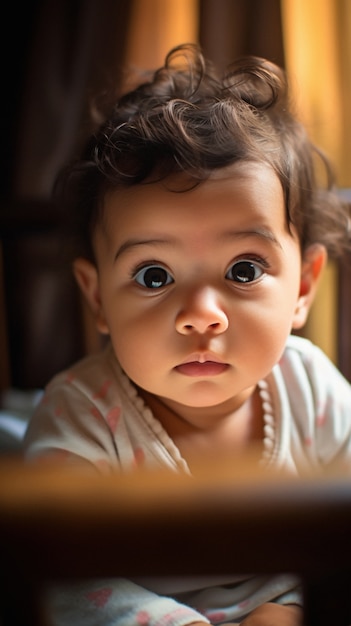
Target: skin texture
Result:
[[199, 290], [270, 615]]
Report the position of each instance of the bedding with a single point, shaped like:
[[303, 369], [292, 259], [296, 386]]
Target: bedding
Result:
[[16, 408]]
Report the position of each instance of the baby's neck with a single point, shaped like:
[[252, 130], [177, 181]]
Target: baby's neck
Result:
[[199, 433]]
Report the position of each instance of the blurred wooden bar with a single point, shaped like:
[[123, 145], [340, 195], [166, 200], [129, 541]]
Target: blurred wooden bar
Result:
[[60, 524]]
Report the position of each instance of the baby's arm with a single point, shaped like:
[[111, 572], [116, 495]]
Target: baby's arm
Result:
[[271, 614]]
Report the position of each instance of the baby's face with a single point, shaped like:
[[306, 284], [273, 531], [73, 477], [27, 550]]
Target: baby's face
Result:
[[199, 288]]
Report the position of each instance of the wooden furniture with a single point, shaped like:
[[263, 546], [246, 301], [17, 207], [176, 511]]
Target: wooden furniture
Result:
[[63, 524]]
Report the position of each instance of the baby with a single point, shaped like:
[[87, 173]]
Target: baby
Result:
[[202, 235]]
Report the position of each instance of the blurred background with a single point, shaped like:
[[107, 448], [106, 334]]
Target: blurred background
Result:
[[60, 55]]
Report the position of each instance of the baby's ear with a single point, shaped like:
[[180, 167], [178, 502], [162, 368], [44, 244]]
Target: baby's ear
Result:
[[313, 263], [87, 277]]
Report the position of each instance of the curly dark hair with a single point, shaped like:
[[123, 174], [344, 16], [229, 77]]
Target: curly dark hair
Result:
[[187, 117]]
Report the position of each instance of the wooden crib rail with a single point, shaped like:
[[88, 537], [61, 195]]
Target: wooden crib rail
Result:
[[60, 524]]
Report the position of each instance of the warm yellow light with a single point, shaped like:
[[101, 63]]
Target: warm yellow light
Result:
[[315, 47], [158, 25], [317, 36]]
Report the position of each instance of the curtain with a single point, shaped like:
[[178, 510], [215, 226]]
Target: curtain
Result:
[[155, 26], [317, 43], [224, 28], [74, 50], [65, 53], [232, 28]]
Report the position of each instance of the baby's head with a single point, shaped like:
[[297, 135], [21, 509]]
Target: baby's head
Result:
[[187, 118]]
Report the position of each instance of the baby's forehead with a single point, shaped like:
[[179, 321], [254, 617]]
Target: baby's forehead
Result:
[[251, 191], [185, 183]]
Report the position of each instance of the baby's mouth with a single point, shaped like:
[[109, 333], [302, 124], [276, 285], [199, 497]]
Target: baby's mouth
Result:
[[199, 369]]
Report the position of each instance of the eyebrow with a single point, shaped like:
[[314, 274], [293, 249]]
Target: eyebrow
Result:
[[129, 244], [262, 233]]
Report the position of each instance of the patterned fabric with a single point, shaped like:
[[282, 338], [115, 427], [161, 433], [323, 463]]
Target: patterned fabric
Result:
[[93, 412]]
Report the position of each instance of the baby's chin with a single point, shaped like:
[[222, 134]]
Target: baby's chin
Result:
[[206, 404]]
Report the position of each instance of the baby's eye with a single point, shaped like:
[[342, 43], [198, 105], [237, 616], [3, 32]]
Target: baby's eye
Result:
[[153, 277], [244, 272]]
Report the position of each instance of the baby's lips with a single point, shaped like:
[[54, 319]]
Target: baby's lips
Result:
[[199, 369]]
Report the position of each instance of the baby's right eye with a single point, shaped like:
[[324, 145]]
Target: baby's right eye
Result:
[[153, 277]]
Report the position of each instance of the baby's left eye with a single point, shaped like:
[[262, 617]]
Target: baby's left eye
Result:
[[244, 272]]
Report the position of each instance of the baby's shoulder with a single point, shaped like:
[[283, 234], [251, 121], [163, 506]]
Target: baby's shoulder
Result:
[[305, 361], [299, 348]]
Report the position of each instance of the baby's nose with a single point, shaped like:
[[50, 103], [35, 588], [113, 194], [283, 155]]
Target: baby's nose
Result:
[[202, 313]]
